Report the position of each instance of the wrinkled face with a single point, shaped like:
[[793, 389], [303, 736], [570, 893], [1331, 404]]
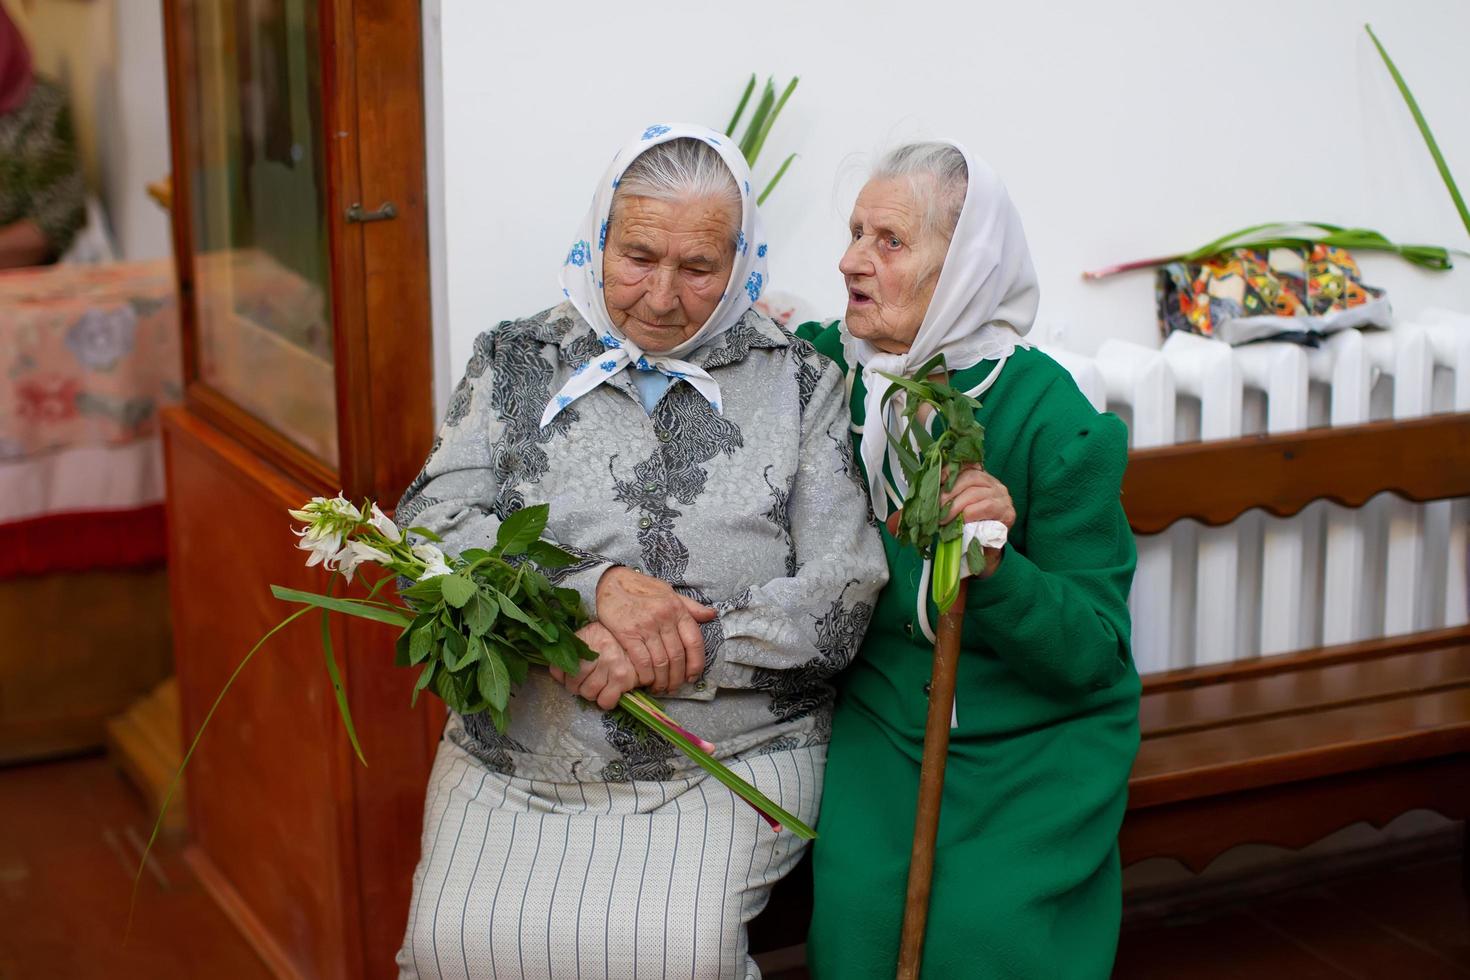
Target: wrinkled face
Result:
[[891, 265], [666, 265]]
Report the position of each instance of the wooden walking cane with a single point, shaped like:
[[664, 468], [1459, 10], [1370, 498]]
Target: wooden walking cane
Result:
[[931, 786]]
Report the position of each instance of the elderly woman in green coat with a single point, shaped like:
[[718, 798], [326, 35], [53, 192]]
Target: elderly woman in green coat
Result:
[[1045, 728]]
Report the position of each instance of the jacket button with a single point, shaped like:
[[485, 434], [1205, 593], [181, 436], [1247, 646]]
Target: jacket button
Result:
[[663, 435], [645, 523], [650, 488], [700, 686]]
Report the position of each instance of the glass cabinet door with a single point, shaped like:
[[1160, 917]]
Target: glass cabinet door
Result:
[[255, 155]]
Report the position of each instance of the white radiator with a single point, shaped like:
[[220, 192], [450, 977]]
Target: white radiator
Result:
[[1262, 584]]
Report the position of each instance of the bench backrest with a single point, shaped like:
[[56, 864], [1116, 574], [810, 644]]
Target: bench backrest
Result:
[[1215, 482]]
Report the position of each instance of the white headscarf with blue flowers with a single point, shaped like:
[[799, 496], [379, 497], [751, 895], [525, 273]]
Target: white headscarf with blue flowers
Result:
[[581, 277]]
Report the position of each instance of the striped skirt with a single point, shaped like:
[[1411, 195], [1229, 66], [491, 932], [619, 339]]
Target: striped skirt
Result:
[[620, 881]]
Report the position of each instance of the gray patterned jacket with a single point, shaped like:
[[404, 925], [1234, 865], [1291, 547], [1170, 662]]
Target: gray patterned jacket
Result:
[[758, 511]]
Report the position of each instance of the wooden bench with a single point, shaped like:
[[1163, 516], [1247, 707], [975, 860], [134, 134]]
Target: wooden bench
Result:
[[1287, 749]]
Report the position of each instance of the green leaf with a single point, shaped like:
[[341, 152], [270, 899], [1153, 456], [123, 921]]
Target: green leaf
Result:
[[769, 121], [173, 785], [475, 652], [521, 528], [1423, 124], [548, 555], [740, 109], [494, 681], [509, 608], [425, 533], [563, 654], [473, 555], [570, 600], [456, 647], [642, 707], [975, 558], [533, 584], [515, 665], [457, 589], [400, 649], [338, 691], [421, 644], [450, 692], [428, 592], [780, 172], [424, 678], [481, 612], [758, 120], [350, 607], [500, 717]]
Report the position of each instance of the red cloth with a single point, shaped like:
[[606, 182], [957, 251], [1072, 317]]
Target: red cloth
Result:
[[16, 76], [83, 541]]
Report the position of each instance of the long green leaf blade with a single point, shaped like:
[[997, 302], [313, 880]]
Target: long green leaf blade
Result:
[[717, 769], [740, 109], [780, 172], [769, 121], [338, 691], [348, 607], [1423, 124], [173, 785], [762, 108]]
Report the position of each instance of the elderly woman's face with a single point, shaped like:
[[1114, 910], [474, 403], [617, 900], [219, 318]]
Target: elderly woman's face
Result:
[[666, 266], [891, 265]]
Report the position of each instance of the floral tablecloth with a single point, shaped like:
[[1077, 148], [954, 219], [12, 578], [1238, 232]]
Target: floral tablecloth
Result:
[[88, 357]]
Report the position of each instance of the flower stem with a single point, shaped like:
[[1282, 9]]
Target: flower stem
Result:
[[768, 809]]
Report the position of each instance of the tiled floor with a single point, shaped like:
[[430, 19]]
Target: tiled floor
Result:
[[70, 832]]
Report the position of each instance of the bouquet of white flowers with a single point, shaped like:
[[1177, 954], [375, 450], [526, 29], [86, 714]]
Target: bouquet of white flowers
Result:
[[474, 624]]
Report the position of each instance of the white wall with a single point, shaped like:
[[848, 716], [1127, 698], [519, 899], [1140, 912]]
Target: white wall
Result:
[[1123, 130], [138, 133]]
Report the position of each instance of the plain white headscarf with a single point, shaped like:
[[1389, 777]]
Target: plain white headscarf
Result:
[[581, 277], [984, 302]]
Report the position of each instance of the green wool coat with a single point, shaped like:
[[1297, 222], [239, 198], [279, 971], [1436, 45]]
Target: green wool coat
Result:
[[1027, 880]]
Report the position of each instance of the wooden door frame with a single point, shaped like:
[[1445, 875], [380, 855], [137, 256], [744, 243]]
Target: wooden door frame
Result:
[[380, 276]]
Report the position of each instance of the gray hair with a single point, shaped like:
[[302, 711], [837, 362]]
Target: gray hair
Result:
[[945, 179], [682, 169]]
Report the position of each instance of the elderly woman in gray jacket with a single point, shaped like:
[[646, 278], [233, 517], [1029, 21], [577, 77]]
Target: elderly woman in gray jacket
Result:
[[696, 458]]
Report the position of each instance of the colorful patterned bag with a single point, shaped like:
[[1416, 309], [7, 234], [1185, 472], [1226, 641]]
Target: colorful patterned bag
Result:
[[1291, 294]]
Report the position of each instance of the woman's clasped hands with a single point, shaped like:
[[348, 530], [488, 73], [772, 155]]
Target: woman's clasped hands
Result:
[[645, 635]]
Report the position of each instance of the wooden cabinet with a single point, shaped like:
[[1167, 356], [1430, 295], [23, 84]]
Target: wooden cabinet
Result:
[[307, 352]]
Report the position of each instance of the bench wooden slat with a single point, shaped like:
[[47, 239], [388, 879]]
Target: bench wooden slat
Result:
[[1186, 677], [1302, 692], [1215, 482], [1301, 747]]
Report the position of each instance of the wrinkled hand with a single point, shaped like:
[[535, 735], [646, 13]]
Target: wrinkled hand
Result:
[[976, 496], [657, 628], [979, 497], [605, 679]]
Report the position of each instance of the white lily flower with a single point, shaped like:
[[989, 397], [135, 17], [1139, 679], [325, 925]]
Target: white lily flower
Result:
[[323, 546], [384, 524], [355, 554], [433, 558]]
